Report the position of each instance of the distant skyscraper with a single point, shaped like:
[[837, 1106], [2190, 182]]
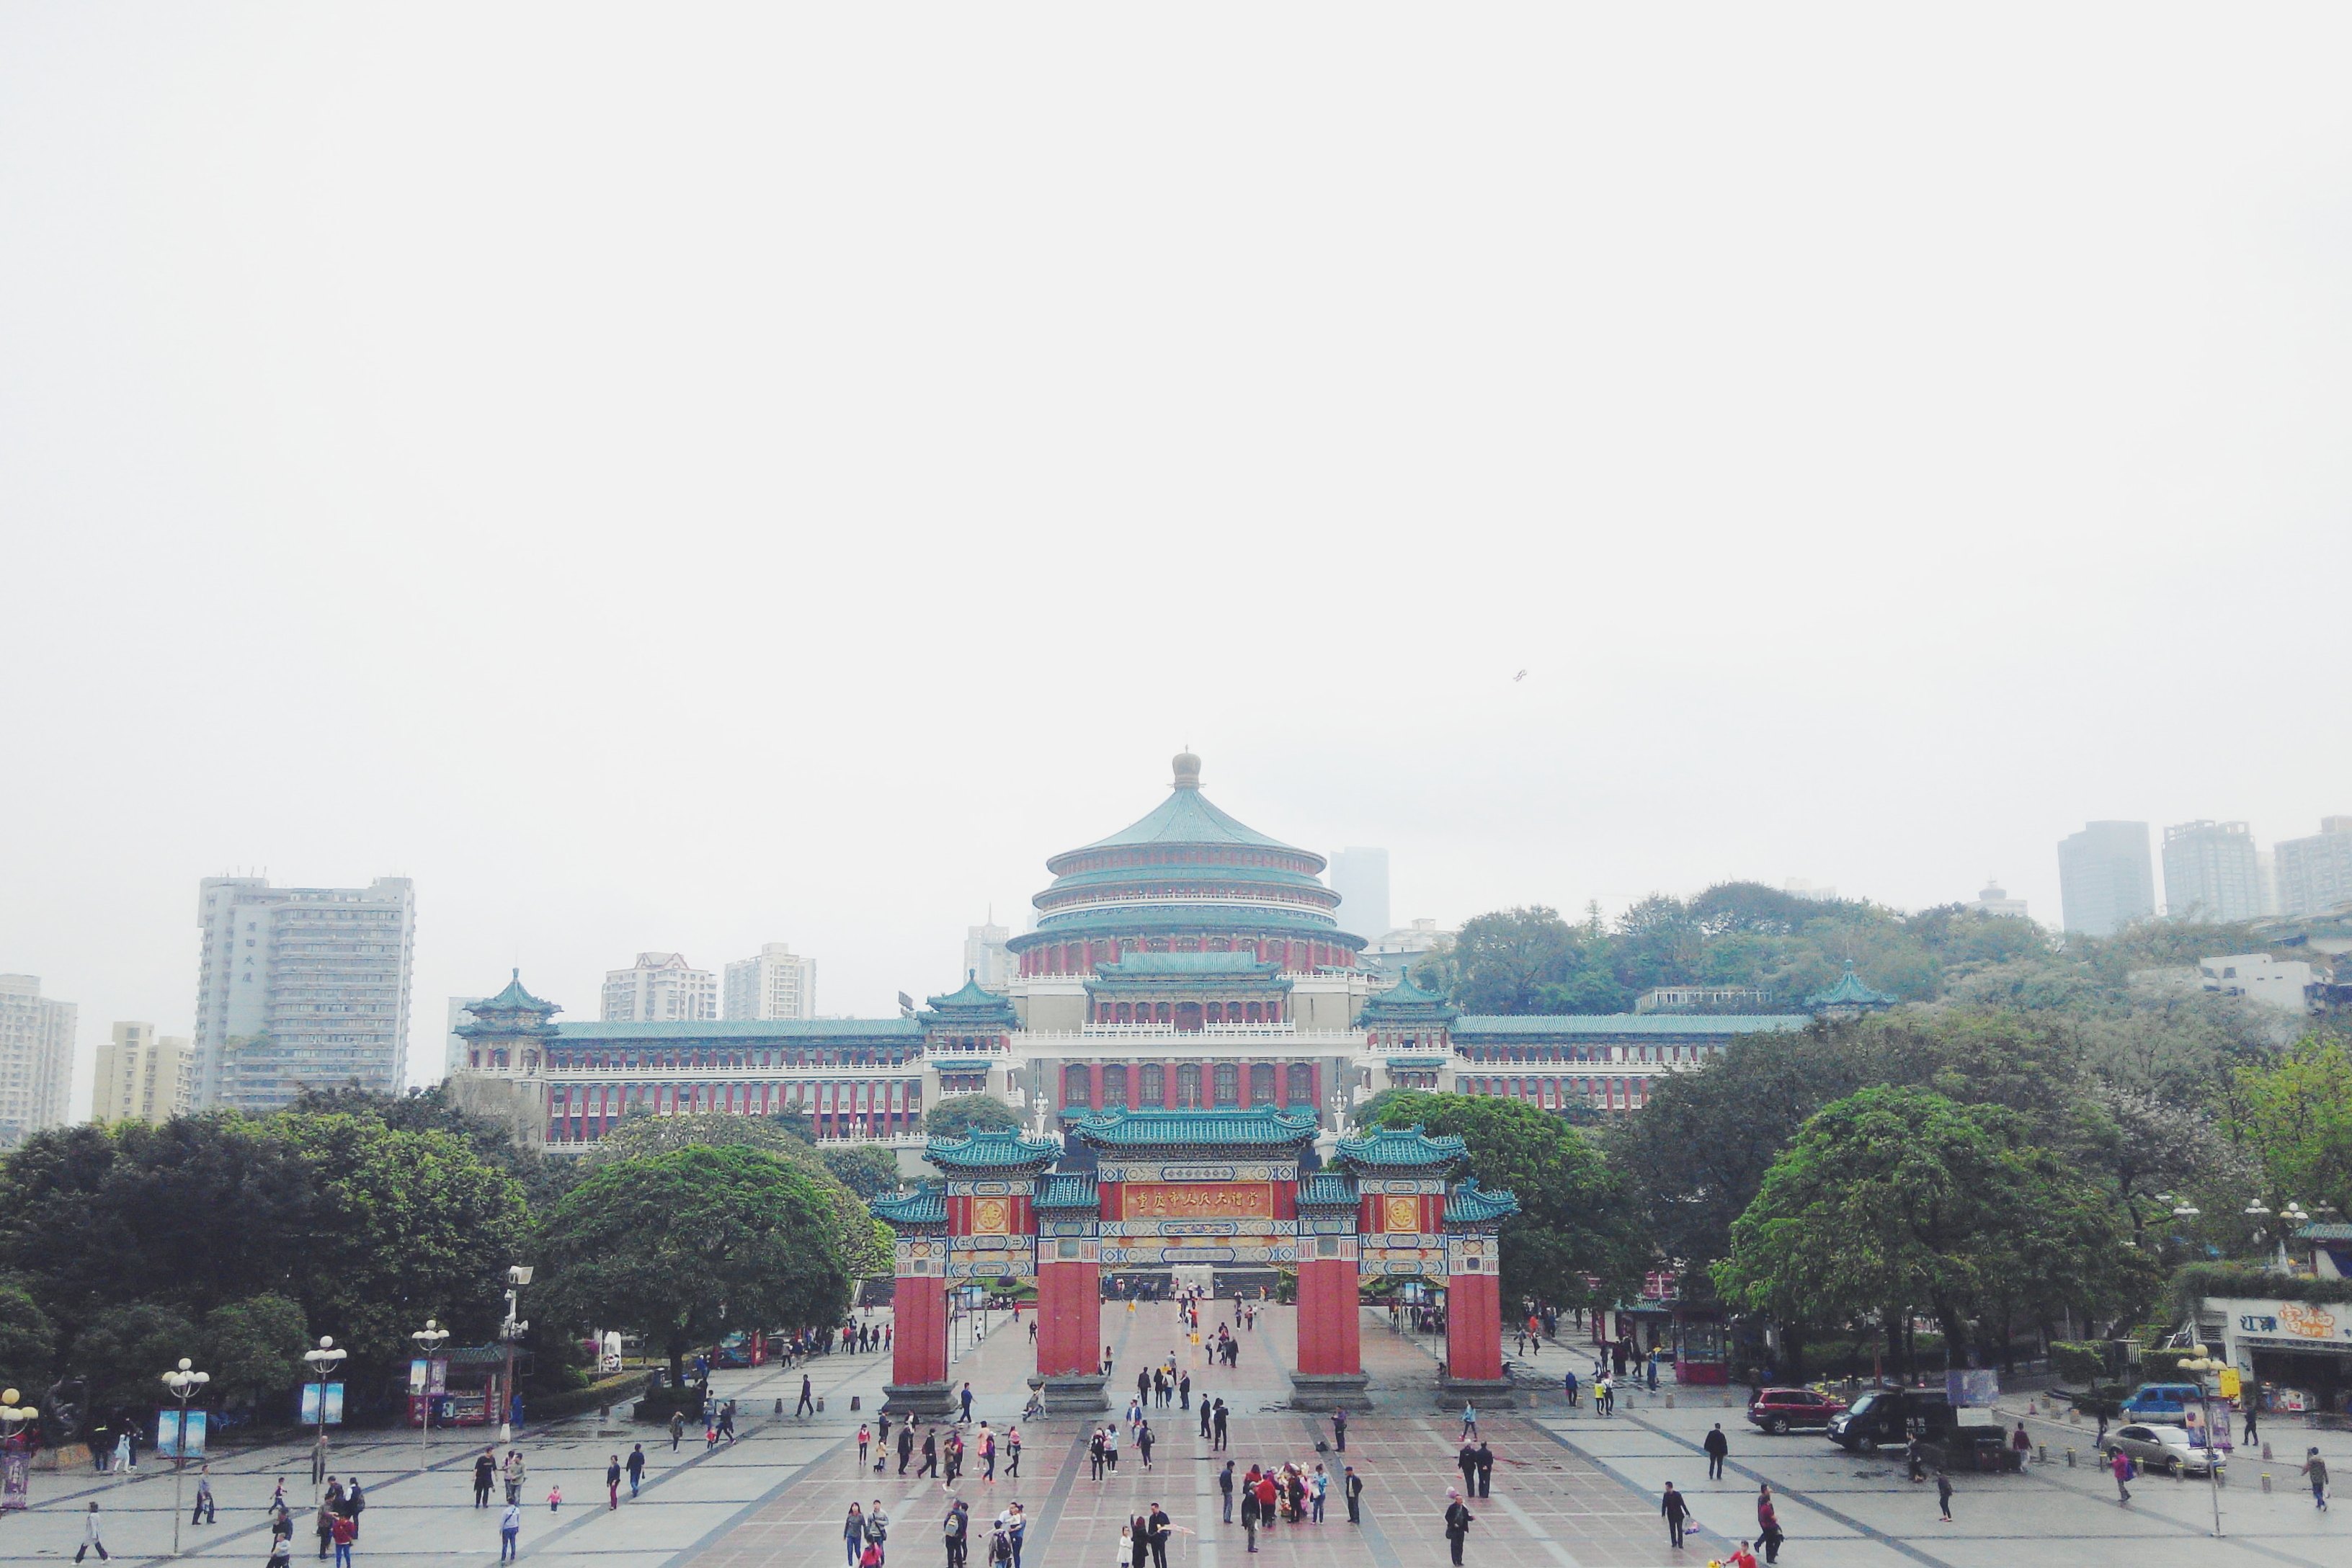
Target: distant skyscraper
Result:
[[2104, 878], [301, 988], [775, 985], [455, 1054], [36, 1051], [142, 1077], [2211, 872], [1360, 877], [660, 988], [1991, 900], [2315, 873], [984, 957], [1819, 892]]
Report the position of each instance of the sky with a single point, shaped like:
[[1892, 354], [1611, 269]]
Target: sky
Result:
[[677, 479]]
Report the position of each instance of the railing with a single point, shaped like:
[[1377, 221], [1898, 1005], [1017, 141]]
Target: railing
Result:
[[722, 1073], [1044, 1041]]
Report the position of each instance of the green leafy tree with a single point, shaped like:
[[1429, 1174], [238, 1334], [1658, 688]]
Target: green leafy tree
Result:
[[124, 1352], [1505, 960], [1573, 1220], [2294, 1116], [866, 1169], [692, 1243], [255, 1346], [28, 1341], [968, 1113], [854, 1233]]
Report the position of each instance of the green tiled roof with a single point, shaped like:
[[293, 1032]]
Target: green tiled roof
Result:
[[927, 1204], [1262, 1127], [1417, 1061], [974, 1066], [1468, 1204], [1408, 1146], [1208, 871], [514, 995], [2323, 1230], [1326, 1189], [1405, 993], [798, 1031], [1206, 914], [995, 1147], [1069, 1192], [1647, 1026], [1145, 965], [1850, 992], [1187, 818], [971, 996]]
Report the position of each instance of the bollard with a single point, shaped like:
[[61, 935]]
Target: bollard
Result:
[[2070, 1458], [2266, 1480], [2042, 1454], [2266, 1453], [1670, 1402], [855, 1402], [2032, 1409], [819, 1405], [2074, 1418], [780, 1405]]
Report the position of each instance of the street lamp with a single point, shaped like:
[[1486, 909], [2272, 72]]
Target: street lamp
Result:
[[324, 1360], [428, 1338], [2200, 1364], [185, 1383], [15, 1418]]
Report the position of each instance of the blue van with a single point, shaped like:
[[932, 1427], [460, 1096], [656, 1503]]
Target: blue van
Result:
[[2162, 1402]]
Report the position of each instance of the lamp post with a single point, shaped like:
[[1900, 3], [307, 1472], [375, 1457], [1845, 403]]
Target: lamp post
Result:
[[15, 1418], [2202, 1365], [510, 1329], [185, 1383], [324, 1360], [428, 1338]]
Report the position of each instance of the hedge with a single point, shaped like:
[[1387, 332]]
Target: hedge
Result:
[[618, 1389], [2239, 1279]]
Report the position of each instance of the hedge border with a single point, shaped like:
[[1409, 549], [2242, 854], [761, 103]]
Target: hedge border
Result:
[[2237, 1280]]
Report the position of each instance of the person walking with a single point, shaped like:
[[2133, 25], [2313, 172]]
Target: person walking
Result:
[[1226, 1486], [987, 1455], [1011, 1453], [613, 1484], [930, 1465], [2315, 1469], [677, 1429], [509, 1532], [1469, 1422], [1249, 1505], [516, 1471], [1467, 1461], [206, 1512], [853, 1534], [1314, 1490], [1217, 1429], [90, 1541], [1768, 1523], [1184, 1392], [2120, 1463], [2248, 1440], [281, 1553], [636, 1469], [322, 1524], [957, 1530], [1339, 1431], [1485, 1460], [1458, 1521], [1158, 1528], [1944, 1496], [865, 1440], [1717, 1446], [966, 1399], [877, 1531], [344, 1533], [1351, 1486], [808, 1406], [1143, 1441], [1677, 1511]]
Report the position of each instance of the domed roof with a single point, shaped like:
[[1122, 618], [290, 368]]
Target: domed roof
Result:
[[1186, 817]]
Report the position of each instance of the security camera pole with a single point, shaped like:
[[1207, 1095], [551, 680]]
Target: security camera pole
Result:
[[510, 1330]]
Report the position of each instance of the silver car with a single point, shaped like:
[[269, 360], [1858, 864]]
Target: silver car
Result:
[[2171, 1449]]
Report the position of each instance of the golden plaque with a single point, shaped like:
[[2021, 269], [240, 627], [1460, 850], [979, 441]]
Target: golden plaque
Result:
[[988, 1216], [1404, 1215]]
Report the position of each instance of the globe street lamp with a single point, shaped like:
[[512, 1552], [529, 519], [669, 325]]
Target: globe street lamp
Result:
[[14, 1419], [185, 1383], [2201, 1365], [324, 1360], [428, 1338]]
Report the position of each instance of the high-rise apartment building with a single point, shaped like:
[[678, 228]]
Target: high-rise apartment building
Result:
[[2211, 872], [1360, 877], [660, 988], [2105, 879], [777, 984], [36, 1051], [143, 1076], [986, 958], [2315, 873], [301, 988]]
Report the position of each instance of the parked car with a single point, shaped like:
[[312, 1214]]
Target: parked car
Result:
[[2161, 1403], [735, 1349], [1891, 1416], [2154, 1446], [1777, 1410]]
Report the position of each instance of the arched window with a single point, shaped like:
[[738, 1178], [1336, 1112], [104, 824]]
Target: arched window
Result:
[[1228, 1081], [1159, 1013], [1262, 1084], [1256, 1013], [1126, 1012], [1302, 1084], [1216, 1012], [1076, 1092]]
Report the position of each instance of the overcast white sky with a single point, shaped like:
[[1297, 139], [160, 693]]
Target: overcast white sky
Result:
[[673, 478]]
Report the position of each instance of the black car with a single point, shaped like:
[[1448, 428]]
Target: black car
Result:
[[1890, 1417]]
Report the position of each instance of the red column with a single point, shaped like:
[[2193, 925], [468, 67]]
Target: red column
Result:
[[1329, 1318], [1474, 1326], [919, 1344], [1070, 1318]]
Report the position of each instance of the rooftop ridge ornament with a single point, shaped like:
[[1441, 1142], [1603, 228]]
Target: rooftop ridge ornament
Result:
[[1187, 770]]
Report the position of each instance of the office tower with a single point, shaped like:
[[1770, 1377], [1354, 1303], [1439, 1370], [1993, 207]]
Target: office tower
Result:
[[985, 958], [2315, 873], [1994, 900], [454, 1053], [660, 988], [301, 988], [775, 985], [143, 1076], [2211, 872], [36, 1051], [1360, 877], [2105, 879]]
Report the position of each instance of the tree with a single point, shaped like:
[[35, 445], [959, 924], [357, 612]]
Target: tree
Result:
[[1505, 960], [28, 1341], [868, 1169], [2294, 1116], [125, 1350], [256, 1345], [1574, 1219], [694, 1242], [969, 1113]]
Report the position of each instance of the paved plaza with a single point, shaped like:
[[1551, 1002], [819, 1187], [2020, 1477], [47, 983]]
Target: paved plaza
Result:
[[1569, 1489]]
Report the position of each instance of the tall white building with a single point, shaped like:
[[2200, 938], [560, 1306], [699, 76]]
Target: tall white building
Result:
[[777, 984], [2315, 873], [301, 988], [2211, 872], [143, 1076], [660, 988], [1360, 877], [985, 957], [2105, 880], [36, 1051]]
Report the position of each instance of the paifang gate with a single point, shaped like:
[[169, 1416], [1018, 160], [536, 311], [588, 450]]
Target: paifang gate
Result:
[[1195, 1186]]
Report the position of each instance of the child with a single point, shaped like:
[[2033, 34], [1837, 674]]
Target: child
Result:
[[555, 1500], [1126, 1540]]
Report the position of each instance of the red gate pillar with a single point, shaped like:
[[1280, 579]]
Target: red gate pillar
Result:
[[1330, 1374], [1069, 1295], [1473, 1298], [918, 1382]]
